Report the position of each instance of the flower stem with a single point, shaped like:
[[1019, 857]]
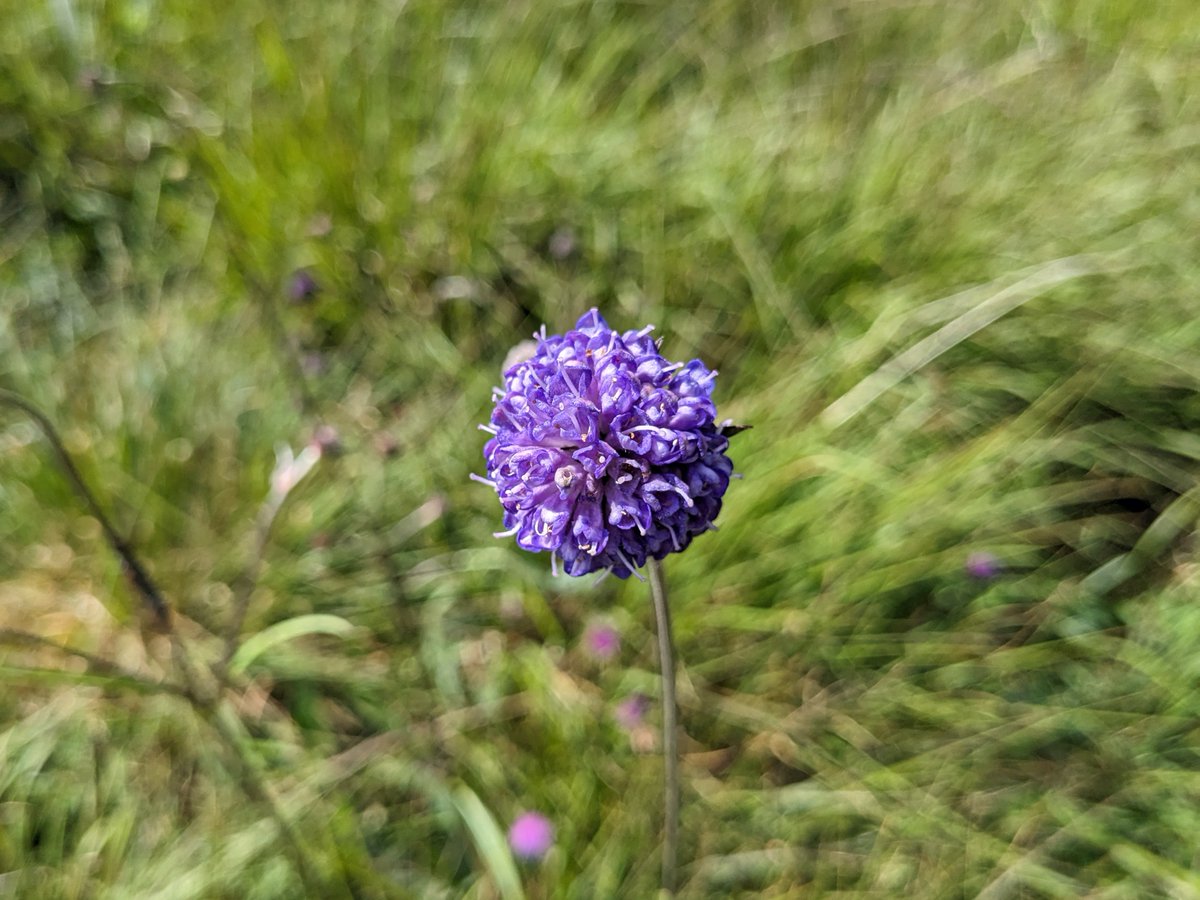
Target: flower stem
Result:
[[670, 746]]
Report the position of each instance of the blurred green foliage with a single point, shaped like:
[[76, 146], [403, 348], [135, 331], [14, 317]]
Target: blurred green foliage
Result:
[[945, 257]]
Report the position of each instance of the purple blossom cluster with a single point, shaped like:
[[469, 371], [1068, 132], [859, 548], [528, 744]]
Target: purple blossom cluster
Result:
[[603, 452]]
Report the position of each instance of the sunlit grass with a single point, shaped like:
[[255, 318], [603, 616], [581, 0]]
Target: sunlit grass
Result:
[[944, 256]]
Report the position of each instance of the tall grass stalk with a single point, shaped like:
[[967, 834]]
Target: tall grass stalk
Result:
[[670, 725]]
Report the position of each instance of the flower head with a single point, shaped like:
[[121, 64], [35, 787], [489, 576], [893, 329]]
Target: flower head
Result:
[[630, 712], [604, 453], [603, 642], [530, 835], [302, 286], [982, 565]]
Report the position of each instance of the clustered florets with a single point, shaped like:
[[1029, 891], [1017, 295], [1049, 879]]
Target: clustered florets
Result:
[[604, 453]]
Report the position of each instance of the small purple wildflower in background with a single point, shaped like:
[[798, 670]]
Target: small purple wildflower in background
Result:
[[602, 641], [603, 452], [302, 286], [982, 565], [631, 711], [530, 835]]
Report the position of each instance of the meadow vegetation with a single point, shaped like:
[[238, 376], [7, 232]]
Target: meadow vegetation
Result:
[[945, 257]]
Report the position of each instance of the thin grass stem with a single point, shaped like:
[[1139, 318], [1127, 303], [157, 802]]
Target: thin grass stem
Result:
[[670, 725]]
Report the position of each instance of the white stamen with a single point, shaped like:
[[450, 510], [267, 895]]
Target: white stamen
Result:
[[625, 559], [571, 384], [674, 539]]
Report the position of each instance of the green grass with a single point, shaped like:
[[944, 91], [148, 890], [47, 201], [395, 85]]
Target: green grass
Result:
[[945, 258]]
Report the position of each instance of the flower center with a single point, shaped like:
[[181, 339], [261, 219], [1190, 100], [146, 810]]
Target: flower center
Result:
[[564, 477]]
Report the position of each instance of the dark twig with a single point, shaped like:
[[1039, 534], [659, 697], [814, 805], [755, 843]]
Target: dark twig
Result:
[[141, 579], [202, 698]]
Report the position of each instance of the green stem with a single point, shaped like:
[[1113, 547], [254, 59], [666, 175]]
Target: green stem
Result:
[[670, 749]]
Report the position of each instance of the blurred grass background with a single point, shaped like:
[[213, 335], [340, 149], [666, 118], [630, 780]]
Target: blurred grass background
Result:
[[945, 257]]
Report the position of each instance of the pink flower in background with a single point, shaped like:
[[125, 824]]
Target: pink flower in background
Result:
[[602, 641], [530, 835], [983, 565], [302, 286], [630, 712]]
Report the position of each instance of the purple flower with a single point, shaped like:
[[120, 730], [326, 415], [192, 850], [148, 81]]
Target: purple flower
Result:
[[602, 641], [530, 835], [982, 565], [630, 712], [604, 453], [302, 286]]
